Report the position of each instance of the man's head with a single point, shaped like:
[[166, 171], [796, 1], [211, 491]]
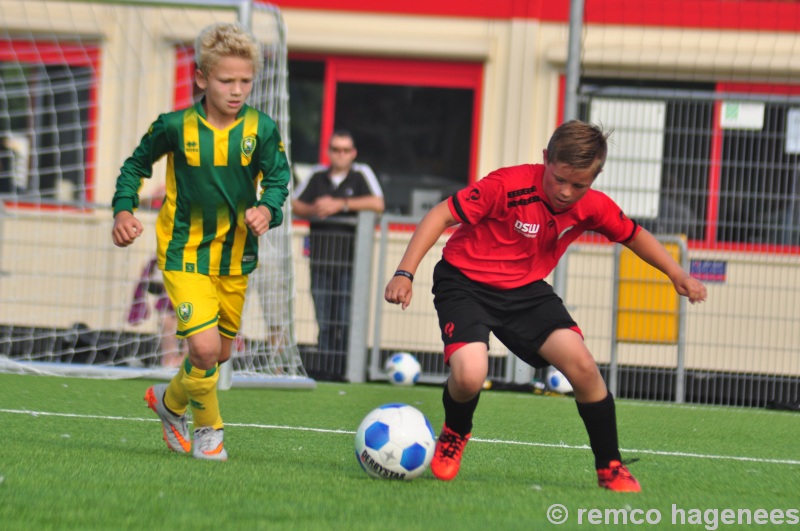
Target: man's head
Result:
[[341, 151], [573, 159], [228, 59]]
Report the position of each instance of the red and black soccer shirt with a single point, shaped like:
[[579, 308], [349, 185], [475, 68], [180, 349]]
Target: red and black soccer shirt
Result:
[[510, 236]]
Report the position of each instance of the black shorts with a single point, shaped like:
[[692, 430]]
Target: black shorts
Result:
[[521, 318]]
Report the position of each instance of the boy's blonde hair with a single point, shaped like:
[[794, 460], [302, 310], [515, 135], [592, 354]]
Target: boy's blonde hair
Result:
[[225, 39]]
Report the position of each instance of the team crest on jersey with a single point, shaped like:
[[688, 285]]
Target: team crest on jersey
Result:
[[248, 146], [185, 311]]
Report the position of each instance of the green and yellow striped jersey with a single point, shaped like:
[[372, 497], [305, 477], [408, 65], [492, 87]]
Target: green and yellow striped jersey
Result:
[[212, 177]]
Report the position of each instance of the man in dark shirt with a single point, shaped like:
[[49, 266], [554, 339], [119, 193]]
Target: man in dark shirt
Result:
[[339, 189]]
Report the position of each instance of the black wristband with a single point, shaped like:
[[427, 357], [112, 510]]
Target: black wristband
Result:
[[403, 273]]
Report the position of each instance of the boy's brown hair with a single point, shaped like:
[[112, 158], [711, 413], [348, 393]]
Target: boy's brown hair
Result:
[[578, 144]]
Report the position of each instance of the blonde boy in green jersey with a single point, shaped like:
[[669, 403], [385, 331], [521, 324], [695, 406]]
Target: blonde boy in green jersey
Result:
[[219, 151]]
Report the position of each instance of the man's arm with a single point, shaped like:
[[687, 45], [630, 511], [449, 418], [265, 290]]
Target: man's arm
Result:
[[364, 202], [372, 201], [325, 206], [302, 209]]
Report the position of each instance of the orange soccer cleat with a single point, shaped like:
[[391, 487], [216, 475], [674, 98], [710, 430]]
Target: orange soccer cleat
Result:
[[208, 444], [176, 431], [617, 477], [447, 457]]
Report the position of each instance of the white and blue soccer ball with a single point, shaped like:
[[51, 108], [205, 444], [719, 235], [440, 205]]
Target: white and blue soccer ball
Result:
[[403, 368], [556, 381], [395, 441]]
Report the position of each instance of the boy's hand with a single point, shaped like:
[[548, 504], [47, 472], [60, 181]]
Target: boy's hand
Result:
[[126, 229], [257, 219], [690, 287], [399, 291]]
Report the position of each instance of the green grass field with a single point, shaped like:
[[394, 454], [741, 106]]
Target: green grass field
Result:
[[88, 454]]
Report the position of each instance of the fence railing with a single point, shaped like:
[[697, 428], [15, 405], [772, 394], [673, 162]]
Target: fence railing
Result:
[[708, 357]]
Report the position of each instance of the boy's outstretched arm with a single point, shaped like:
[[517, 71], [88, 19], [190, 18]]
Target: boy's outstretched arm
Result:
[[651, 251], [398, 290]]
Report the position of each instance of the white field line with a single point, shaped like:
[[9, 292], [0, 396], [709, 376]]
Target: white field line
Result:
[[793, 462]]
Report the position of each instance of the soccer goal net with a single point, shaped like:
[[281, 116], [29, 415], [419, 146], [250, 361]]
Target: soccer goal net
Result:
[[80, 82]]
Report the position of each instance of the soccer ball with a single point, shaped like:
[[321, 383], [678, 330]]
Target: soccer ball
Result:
[[395, 441], [403, 369], [557, 382]]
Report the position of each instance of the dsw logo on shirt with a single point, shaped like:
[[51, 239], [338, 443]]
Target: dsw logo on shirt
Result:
[[529, 230]]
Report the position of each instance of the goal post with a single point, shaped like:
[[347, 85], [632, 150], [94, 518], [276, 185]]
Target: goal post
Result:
[[81, 82]]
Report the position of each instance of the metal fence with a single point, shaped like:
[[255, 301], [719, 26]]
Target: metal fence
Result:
[[736, 349]]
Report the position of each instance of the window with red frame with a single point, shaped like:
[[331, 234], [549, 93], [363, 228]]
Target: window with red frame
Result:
[[725, 184], [47, 121], [414, 122]]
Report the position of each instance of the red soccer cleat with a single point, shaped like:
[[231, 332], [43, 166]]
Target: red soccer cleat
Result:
[[618, 478], [447, 457]]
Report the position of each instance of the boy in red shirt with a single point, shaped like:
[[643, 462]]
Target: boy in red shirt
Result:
[[515, 224]]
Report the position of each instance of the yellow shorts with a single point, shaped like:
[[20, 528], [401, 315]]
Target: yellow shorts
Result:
[[205, 301]]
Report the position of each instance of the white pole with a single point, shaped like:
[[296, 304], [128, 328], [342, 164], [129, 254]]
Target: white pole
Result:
[[570, 112]]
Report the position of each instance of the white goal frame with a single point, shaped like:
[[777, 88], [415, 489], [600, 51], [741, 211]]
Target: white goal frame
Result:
[[245, 369]]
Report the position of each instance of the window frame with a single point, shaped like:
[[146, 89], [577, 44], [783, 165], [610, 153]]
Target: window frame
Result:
[[715, 162], [403, 72], [48, 52], [715, 171]]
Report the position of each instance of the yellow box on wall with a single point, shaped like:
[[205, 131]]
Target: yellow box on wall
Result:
[[647, 303]]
